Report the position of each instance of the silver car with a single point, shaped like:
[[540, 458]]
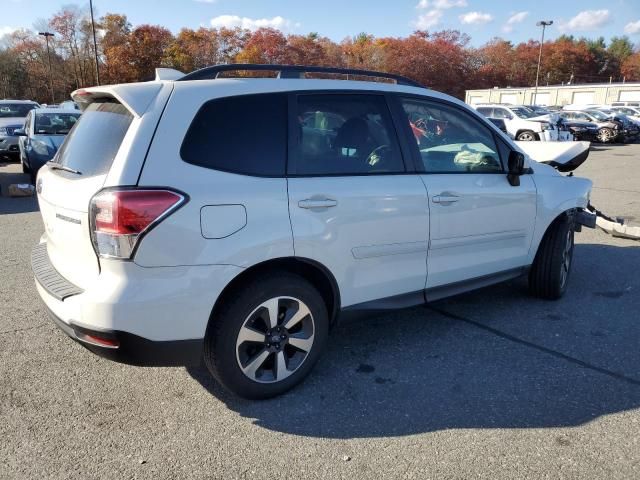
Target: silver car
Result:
[[12, 115]]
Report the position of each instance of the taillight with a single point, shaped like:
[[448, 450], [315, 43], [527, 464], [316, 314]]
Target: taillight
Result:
[[119, 218]]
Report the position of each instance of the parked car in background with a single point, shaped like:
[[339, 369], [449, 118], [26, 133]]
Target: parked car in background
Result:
[[69, 105], [634, 103], [631, 112], [630, 127], [12, 115], [43, 132], [523, 124], [178, 232], [608, 130], [581, 130]]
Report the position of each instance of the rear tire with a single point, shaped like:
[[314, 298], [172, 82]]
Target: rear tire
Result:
[[255, 357], [549, 274]]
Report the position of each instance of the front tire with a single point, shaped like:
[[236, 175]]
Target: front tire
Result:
[[549, 274], [526, 136], [605, 135], [266, 338]]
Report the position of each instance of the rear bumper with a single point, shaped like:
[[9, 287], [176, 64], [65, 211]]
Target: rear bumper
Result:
[[135, 350], [156, 316]]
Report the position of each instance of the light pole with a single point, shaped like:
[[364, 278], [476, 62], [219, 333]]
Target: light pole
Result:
[[95, 45], [544, 24], [46, 36]]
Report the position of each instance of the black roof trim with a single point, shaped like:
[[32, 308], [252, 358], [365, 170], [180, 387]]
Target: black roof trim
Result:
[[292, 71]]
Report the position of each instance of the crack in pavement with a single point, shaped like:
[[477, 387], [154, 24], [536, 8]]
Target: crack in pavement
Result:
[[24, 329], [535, 346]]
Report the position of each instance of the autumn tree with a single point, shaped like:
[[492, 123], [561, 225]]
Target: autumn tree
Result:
[[631, 67]]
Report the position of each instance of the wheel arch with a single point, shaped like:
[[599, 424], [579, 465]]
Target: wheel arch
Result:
[[560, 216], [319, 275]]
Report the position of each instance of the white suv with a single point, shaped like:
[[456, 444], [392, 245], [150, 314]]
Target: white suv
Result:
[[235, 219], [522, 123]]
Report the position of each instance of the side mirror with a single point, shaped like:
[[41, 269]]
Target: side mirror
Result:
[[19, 132], [515, 168]]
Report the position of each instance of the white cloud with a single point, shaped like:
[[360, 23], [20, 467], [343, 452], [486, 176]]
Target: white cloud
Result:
[[232, 21], [632, 28], [6, 30], [441, 4], [428, 19], [513, 20], [475, 18], [586, 20]]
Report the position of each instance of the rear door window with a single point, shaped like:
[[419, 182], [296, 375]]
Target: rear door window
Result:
[[95, 139], [245, 134], [344, 134]]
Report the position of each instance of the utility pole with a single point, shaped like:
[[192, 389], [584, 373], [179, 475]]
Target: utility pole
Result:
[[46, 36], [95, 44], [544, 24]]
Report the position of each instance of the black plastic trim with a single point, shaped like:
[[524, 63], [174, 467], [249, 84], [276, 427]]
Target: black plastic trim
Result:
[[136, 350], [48, 277], [437, 293]]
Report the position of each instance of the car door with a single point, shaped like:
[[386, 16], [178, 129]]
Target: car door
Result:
[[23, 141], [354, 206], [480, 225]]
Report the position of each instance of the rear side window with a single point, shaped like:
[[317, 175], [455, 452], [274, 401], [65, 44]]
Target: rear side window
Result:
[[245, 134], [339, 134], [95, 138]]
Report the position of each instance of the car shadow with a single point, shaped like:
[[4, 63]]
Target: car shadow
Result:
[[493, 358]]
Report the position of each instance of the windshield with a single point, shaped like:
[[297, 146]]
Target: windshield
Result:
[[523, 112], [54, 123], [95, 139], [597, 115], [8, 110]]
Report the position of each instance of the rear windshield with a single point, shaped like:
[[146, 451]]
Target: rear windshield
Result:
[[95, 139], [8, 110], [55, 123]]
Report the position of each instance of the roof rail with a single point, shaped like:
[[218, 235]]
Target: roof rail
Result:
[[292, 71]]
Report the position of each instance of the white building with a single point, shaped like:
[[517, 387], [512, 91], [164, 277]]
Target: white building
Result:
[[598, 93]]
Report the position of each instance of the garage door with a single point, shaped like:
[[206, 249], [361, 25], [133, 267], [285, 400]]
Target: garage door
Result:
[[630, 96], [583, 98], [542, 98], [509, 98]]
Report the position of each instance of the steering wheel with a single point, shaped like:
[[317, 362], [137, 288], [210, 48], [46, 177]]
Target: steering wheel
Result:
[[378, 155]]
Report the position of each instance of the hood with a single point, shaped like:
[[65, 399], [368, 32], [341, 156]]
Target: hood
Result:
[[53, 142], [563, 156], [579, 123], [549, 117], [9, 121]]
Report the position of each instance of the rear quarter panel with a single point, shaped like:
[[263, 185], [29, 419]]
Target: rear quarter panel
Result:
[[180, 239]]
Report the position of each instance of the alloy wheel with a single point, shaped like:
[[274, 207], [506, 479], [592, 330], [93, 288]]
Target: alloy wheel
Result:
[[275, 339], [566, 258]]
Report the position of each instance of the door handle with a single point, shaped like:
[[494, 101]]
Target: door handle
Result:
[[445, 198], [317, 203]]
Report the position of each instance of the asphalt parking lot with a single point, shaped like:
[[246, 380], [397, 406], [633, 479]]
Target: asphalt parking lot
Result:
[[491, 384]]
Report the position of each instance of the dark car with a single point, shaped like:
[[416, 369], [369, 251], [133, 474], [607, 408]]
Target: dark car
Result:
[[580, 130], [12, 114], [44, 131], [608, 130], [630, 127]]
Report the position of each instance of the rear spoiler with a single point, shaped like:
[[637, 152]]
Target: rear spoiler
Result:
[[136, 97]]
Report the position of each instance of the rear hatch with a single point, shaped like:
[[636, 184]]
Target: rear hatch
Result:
[[89, 151]]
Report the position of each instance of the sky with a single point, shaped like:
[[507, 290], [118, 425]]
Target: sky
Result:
[[337, 19]]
